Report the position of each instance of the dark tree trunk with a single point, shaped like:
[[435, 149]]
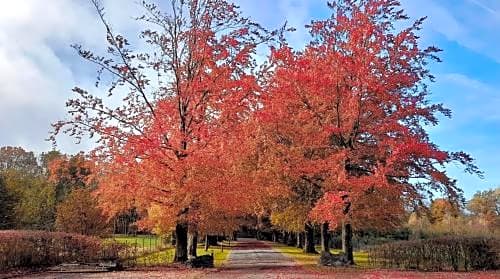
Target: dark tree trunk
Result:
[[291, 239], [347, 242], [207, 243], [275, 236], [192, 243], [325, 238], [300, 240], [309, 239], [285, 237], [173, 238], [181, 242], [235, 236]]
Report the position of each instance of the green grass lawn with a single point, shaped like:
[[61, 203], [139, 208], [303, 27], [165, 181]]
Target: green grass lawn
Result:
[[311, 260], [146, 241], [156, 252], [166, 256]]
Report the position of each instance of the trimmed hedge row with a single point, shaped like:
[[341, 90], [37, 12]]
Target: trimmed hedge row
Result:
[[32, 249], [438, 254]]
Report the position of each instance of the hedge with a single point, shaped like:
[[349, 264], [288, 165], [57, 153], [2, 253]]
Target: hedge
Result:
[[33, 249], [438, 254]]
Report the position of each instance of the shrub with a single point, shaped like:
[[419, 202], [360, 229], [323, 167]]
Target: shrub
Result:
[[444, 253], [33, 249]]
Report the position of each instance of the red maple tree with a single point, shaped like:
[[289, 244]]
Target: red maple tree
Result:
[[163, 144], [349, 113]]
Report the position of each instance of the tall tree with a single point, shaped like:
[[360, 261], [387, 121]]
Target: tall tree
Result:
[[17, 158], [485, 205], [7, 203], [352, 109], [69, 173], [194, 81], [79, 213], [442, 208], [485, 202], [34, 200]]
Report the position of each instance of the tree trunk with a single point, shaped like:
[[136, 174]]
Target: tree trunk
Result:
[[325, 238], [207, 243], [173, 241], [347, 241], [285, 238], [309, 239], [300, 240], [181, 242], [275, 236], [291, 239], [192, 243]]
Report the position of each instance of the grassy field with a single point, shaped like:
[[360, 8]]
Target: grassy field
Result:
[[167, 256], [311, 260], [157, 252], [146, 241]]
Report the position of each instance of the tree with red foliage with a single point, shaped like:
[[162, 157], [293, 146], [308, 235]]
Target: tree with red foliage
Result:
[[177, 102], [351, 110]]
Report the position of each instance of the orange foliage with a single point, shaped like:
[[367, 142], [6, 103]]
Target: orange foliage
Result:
[[351, 109]]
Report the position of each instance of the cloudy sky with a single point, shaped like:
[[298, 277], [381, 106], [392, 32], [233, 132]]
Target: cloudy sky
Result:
[[38, 68]]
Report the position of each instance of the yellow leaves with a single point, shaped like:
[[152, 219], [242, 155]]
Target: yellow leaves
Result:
[[291, 218], [159, 220]]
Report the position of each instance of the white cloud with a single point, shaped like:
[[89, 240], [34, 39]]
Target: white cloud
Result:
[[36, 76], [38, 68], [471, 23]]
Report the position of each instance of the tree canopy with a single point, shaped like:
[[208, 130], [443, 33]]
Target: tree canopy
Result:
[[197, 132]]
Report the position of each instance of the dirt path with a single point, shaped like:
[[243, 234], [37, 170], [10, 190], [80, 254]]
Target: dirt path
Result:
[[254, 254], [256, 259]]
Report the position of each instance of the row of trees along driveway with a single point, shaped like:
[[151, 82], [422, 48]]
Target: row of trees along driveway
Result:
[[196, 132]]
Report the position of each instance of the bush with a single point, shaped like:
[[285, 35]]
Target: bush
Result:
[[33, 249], [445, 253]]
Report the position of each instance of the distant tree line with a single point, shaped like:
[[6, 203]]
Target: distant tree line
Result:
[[52, 191]]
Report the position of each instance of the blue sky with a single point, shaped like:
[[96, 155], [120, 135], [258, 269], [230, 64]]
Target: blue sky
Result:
[[38, 68]]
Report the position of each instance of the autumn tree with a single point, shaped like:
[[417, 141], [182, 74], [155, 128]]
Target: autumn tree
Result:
[[442, 208], [34, 197], [16, 158], [485, 205], [352, 109], [196, 79], [79, 213], [7, 203], [69, 173], [28, 196], [47, 157]]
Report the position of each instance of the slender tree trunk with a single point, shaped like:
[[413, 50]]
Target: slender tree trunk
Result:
[[347, 241], [300, 240], [309, 239], [192, 242], [207, 243], [291, 239], [325, 238], [285, 237], [181, 244], [173, 240]]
